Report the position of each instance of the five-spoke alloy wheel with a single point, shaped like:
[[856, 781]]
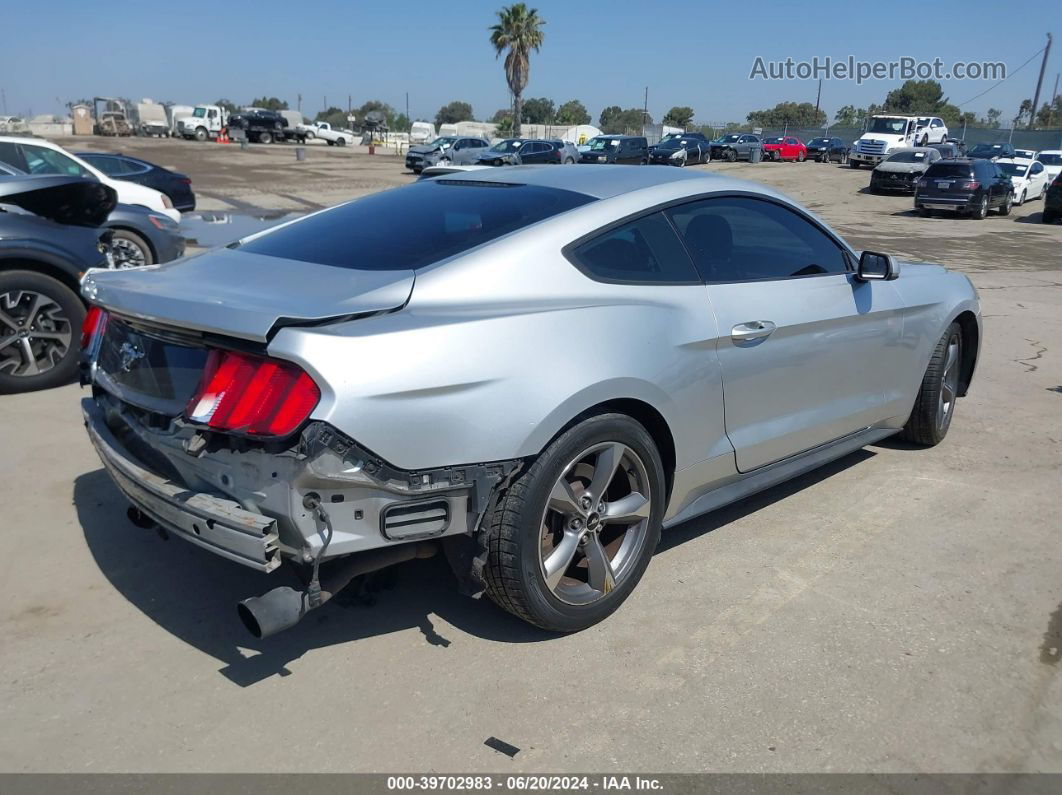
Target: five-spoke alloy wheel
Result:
[[572, 535]]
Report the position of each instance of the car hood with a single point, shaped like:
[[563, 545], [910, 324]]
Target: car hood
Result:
[[901, 168], [75, 201], [240, 294], [423, 149]]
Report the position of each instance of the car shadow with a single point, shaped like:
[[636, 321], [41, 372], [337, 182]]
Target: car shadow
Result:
[[192, 594], [1032, 218]]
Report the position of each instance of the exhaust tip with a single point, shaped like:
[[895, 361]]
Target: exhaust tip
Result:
[[272, 612]]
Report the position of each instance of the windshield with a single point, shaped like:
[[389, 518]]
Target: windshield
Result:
[[908, 157], [602, 144], [888, 126], [510, 145], [986, 149], [673, 143], [819, 142], [728, 139], [199, 113], [443, 142], [1050, 158], [1013, 169], [438, 218]]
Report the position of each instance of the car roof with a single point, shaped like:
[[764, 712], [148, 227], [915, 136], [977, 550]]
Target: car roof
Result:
[[1021, 161], [606, 181]]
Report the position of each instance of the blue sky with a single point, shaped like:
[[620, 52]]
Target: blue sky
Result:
[[603, 53]]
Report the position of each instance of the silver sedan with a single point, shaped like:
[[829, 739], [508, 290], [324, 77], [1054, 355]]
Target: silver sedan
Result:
[[533, 370]]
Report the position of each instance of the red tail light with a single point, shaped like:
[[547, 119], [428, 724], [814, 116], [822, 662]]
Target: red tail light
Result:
[[92, 327], [252, 395], [970, 185], [922, 183]]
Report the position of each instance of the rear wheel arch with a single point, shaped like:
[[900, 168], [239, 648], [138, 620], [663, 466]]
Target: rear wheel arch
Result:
[[43, 267], [644, 414]]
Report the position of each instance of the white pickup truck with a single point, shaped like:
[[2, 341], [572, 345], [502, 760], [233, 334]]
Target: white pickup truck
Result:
[[887, 133], [324, 131]]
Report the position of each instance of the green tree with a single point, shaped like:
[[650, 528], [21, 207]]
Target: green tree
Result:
[[916, 96], [793, 114], [453, 112], [500, 114], [226, 105], [505, 124], [1050, 114], [679, 116], [992, 118], [573, 112], [518, 31], [269, 103], [617, 121], [850, 116], [1024, 112], [538, 111], [335, 117], [400, 123]]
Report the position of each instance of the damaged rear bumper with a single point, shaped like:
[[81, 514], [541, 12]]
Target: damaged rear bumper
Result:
[[212, 522]]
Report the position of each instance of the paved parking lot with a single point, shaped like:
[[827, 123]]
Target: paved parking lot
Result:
[[897, 610]]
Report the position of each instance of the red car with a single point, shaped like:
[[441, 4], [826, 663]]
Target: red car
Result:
[[784, 148]]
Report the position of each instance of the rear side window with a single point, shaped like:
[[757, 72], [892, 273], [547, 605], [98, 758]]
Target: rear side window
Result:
[[949, 170], [410, 227], [645, 250]]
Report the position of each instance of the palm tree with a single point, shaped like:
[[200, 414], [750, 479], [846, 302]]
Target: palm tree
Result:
[[519, 30]]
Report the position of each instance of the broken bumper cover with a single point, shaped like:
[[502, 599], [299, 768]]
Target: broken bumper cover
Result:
[[215, 523]]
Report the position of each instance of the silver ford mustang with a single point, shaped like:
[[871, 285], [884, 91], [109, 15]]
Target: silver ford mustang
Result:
[[532, 369]]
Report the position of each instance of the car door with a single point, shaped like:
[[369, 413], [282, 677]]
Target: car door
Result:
[[809, 354], [1038, 180]]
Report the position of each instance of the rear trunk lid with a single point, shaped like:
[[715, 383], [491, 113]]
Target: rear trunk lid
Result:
[[240, 294]]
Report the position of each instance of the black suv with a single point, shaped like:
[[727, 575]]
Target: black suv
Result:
[[261, 126], [630, 149], [991, 151], [968, 186], [825, 150]]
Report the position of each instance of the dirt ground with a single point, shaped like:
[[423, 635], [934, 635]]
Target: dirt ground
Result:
[[898, 610]]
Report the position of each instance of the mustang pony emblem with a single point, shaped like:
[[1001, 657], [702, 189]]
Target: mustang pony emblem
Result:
[[130, 355]]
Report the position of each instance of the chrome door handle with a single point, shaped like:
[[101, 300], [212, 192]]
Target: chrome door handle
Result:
[[753, 330]]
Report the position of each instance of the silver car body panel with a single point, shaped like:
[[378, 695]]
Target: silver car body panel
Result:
[[497, 349]]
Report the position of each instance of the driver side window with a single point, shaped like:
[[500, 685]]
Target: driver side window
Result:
[[736, 239]]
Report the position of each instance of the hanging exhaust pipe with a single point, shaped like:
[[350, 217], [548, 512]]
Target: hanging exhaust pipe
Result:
[[283, 608]]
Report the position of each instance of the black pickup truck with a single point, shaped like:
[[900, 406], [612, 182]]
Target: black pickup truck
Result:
[[259, 126]]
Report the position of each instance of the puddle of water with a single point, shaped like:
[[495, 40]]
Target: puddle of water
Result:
[[209, 229]]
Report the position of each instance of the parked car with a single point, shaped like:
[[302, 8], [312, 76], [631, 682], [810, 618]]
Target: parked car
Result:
[[696, 293], [445, 150], [49, 237], [1052, 160], [949, 150], [139, 236], [930, 130], [324, 131], [970, 186], [501, 153], [991, 151], [1028, 177], [681, 150], [38, 156], [1025, 154], [828, 150], [1053, 202], [736, 146], [888, 133], [438, 171], [259, 126], [785, 147], [903, 169], [515, 151], [131, 169], [696, 136], [623, 149]]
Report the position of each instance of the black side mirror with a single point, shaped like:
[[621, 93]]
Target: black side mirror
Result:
[[877, 267]]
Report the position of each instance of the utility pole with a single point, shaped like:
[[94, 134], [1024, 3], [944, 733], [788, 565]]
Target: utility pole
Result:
[[1039, 82], [818, 96], [645, 110], [1054, 94], [409, 119], [3, 97], [299, 103]]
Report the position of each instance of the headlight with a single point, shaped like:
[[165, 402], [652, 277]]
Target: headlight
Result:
[[166, 202], [678, 154], [162, 222]]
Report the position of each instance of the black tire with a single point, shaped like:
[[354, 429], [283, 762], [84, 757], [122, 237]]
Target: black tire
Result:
[[1004, 208], [982, 210], [925, 212], [265, 137], [341, 141], [331, 143], [569, 161], [200, 134], [926, 426], [853, 164], [1022, 200], [68, 316], [731, 155], [1048, 217], [126, 240], [515, 533]]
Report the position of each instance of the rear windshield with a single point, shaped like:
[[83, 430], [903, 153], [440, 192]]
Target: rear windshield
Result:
[[414, 226], [949, 170]]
